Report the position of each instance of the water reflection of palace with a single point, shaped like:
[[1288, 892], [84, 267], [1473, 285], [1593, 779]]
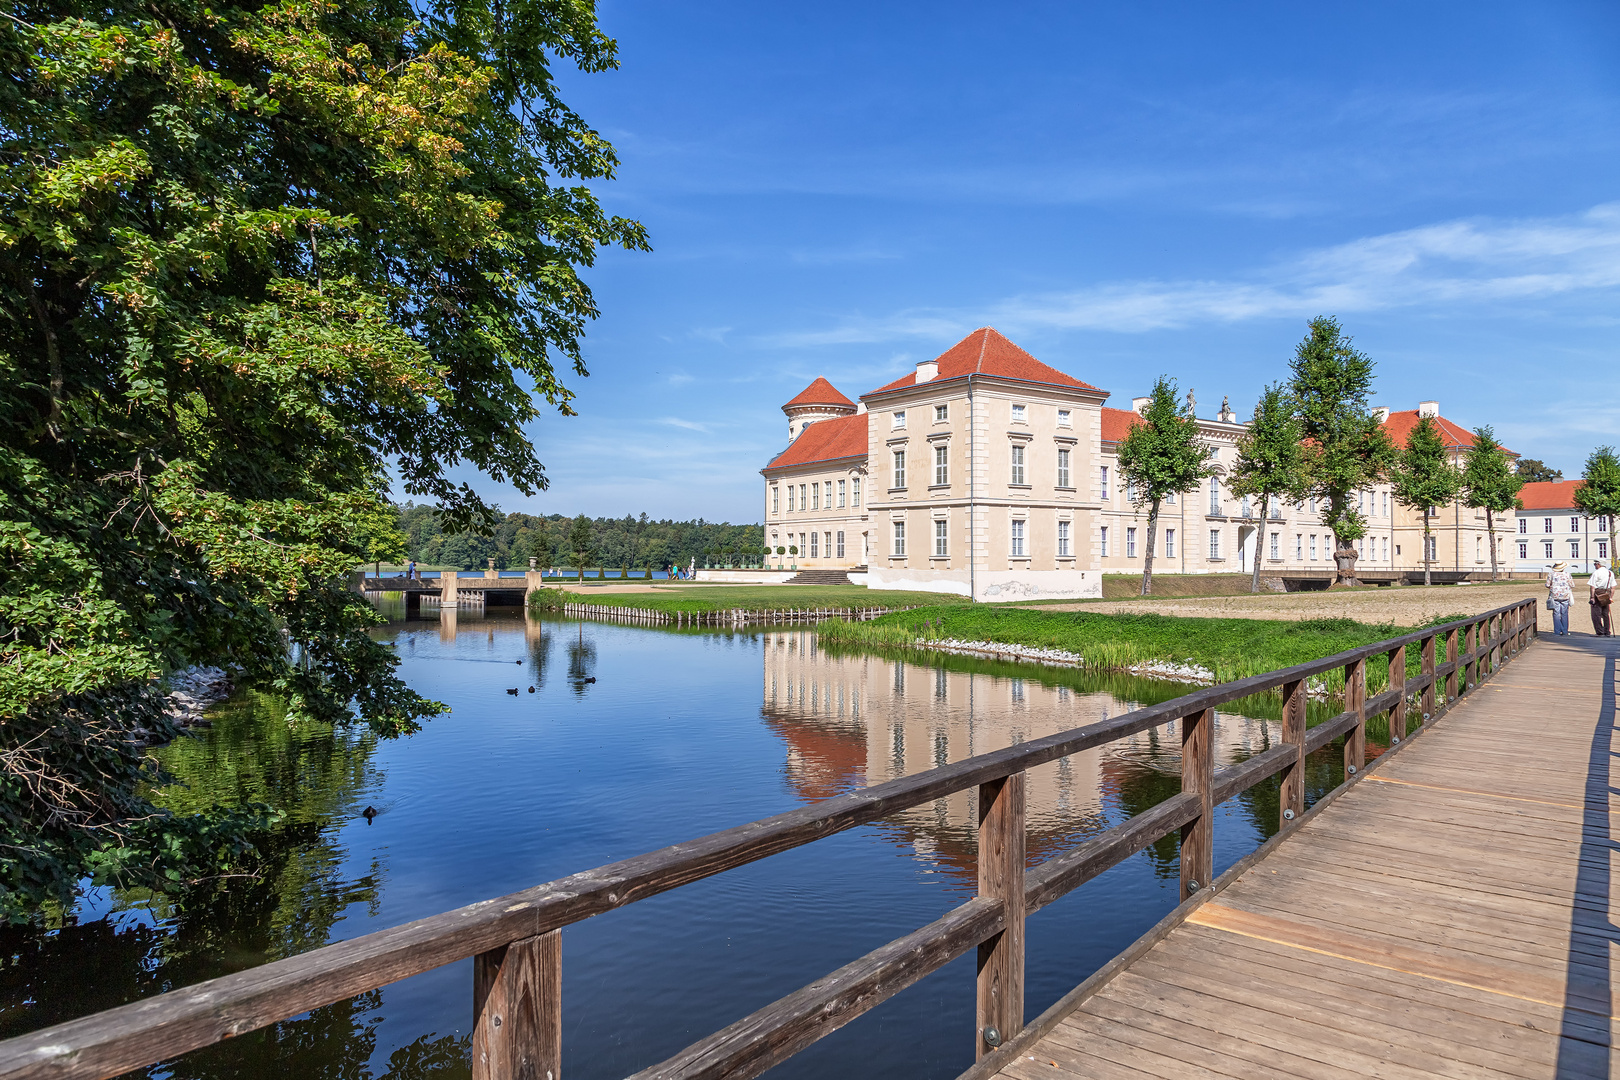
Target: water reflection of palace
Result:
[[852, 720]]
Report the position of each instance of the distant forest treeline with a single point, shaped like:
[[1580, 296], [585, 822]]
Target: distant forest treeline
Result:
[[627, 541]]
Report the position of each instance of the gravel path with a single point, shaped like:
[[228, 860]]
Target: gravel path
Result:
[[1403, 605]]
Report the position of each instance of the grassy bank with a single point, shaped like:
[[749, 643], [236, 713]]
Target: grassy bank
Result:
[[1231, 648], [701, 598]]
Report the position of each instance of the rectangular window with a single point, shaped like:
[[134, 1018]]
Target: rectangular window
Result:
[[1546, 525], [855, 492], [1105, 481], [1104, 535], [1524, 524], [1547, 548], [1017, 538], [1574, 524], [840, 494], [942, 472], [1130, 491], [1214, 496], [1169, 543], [899, 539], [790, 498], [1063, 468], [1019, 414], [1299, 547], [1130, 543], [1313, 547], [1063, 540], [829, 495], [898, 420], [1574, 549], [826, 544], [840, 544], [815, 496], [776, 500], [1524, 551], [1386, 504], [1214, 543], [1603, 523], [1603, 549], [1063, 418], [815, 547], [1017, 465], [804, 500], [1170, 499], [1313, 505], [1431, 545], [1276, 549], [899, 469], [940, 412], [942, 531]]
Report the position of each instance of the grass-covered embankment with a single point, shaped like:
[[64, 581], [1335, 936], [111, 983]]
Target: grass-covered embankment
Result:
[[1230, 648], [692, 599]]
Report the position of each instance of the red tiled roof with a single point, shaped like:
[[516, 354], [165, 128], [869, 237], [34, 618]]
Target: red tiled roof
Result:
[[820, 392], [1400, 425], [1550, 495], [987, 352], [825, 440], [1117, 423]]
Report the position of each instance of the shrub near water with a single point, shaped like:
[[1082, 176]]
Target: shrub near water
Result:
[[1231, 648]]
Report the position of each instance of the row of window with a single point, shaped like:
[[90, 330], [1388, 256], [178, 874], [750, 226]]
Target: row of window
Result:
[[1017, 537], [811, 496], [942, 413], [942, 468], [812, 545], [1602, 525], [1574, 549]]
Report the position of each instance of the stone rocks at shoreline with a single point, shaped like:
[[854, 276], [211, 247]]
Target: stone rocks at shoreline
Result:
[[1158, 669], [193, 690]]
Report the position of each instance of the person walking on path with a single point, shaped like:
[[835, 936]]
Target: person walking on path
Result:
[[1600, 593], [1560, 591]]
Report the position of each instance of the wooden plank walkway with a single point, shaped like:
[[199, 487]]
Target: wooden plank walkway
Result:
[[1449, 915]]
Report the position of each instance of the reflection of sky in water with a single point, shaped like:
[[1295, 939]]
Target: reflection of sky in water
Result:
[[680, 734]]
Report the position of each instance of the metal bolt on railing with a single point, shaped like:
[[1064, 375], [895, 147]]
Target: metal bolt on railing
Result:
[[1289, 814], [992, 1037]]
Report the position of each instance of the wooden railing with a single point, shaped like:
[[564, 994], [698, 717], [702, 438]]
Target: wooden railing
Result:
[[516, 944]]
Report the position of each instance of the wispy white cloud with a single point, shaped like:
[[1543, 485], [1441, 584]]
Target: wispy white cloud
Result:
[[689, 425], [1454, 264]]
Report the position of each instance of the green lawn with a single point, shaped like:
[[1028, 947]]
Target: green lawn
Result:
[[698, 597], [1231, 648]]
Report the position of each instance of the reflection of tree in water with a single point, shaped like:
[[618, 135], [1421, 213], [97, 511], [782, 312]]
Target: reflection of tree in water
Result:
[[581, 660], [317, 777], [540, 642]]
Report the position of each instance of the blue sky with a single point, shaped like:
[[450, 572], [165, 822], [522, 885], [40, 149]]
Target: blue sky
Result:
[[1126, 190]]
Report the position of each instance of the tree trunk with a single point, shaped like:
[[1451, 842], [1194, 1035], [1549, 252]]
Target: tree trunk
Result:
[[1426, 561], [1259, 535], [1147, 564], [1490, 538], [1344, 561]]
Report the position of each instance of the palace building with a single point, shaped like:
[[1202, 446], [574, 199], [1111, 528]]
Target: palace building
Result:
[[990, 474]]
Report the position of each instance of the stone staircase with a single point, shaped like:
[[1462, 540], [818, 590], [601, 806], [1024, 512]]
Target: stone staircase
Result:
[[819, 577]]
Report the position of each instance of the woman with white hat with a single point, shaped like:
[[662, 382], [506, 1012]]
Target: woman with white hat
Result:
[[1560, 590]]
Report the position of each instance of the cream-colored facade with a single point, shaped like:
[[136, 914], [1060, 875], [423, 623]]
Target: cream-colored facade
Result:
[[988, 474]]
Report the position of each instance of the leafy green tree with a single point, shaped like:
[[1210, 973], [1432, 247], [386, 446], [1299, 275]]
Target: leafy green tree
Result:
[[1424, 478], [1599, 491], [1345, 446], [1538, 472], [1489, 483], [1270, 459], [254, 258], [579, 543], [1163, 455]]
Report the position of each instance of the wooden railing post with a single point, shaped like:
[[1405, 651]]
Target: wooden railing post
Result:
[[1397, 681], [1292, 795], [1471, 650], [1001, 875], [517, 1010], [1452, 656], [1428, 669], [1355, 701], [1198, 778]]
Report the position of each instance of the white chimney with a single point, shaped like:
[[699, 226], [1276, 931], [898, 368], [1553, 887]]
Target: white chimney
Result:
[[1139, 403], [1381, 413], [860, 409], [927, 371], [1430, 409]]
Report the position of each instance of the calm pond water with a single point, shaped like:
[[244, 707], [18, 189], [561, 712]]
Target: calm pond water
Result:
[[680, 734]]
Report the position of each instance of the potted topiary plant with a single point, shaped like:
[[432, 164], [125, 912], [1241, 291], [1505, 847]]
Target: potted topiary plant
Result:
[[793, 549]]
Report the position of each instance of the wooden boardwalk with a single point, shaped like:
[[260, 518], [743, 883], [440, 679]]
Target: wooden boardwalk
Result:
[[1449, 915]]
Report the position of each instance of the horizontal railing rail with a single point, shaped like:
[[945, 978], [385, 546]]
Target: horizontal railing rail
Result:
[[515, 939]]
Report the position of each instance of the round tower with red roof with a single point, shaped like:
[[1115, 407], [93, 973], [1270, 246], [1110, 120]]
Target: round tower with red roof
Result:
[[818, 401]]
